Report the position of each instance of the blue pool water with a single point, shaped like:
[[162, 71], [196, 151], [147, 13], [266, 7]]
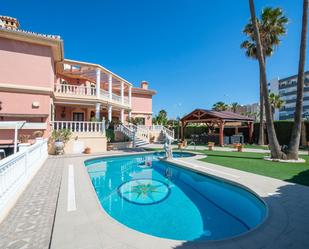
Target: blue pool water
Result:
[[167, 201], [176, 154]]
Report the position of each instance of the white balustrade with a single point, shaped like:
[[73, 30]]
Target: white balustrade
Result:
[[79, 90], [79, 126], [17, 170], [75, 90]]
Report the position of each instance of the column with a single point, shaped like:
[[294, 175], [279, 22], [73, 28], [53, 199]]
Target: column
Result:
[[97, 111], [130, 116], [122, 116], [110, 108], [98, 82], [122, 92], [221, 134], [130, 95], [110, 89]]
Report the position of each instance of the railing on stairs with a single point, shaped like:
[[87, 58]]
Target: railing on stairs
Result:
[[126, 130]]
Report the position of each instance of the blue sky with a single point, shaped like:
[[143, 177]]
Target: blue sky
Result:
[[188, 50]]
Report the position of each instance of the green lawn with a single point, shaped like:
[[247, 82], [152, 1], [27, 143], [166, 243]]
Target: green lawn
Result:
[[254, 163]]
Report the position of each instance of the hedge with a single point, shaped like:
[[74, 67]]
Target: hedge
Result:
[[283, 130]]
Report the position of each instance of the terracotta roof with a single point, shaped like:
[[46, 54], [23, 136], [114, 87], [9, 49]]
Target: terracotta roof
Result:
[[208, 114], [143, 91], [56, 37]]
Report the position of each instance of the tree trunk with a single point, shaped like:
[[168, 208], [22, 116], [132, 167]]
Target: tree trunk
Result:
[[261, 129], [295, 136], [272, 137]]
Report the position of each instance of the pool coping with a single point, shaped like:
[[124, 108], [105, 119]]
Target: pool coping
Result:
[[130, 238]]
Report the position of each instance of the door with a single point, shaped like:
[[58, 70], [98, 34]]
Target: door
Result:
[[78, 117]]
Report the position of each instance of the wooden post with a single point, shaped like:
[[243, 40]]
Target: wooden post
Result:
[[250, 127], [182, 130], [221, 133]]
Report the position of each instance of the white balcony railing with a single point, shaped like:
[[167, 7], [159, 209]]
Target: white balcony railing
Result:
[[67, 89], [75, 90], [17, 170], [79, 126]]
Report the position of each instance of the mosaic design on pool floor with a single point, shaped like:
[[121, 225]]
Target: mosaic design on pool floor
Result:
[[144, 191]]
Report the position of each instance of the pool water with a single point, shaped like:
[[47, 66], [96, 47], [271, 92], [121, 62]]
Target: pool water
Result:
[[167, 201], [176, 154]]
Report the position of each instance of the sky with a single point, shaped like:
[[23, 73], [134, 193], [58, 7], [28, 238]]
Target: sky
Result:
[[188, 50]]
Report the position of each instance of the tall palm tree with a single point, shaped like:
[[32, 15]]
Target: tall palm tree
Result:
[[275, 150], [276, 102], [220, 106], [234, 106], [296, 130], [272, 25]]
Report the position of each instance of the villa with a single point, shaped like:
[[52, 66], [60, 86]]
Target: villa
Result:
[[121, 182], [43, 90]]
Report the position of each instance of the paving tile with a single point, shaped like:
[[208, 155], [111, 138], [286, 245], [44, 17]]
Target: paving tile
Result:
[[29, 223]]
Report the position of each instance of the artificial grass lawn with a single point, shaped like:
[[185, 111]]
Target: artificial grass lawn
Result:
[[254, 163]]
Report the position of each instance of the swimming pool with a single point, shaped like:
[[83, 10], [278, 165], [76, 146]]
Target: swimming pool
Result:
[[167, 201]]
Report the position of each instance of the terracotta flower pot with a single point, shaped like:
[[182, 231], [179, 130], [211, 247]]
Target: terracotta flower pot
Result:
[[87, 150]]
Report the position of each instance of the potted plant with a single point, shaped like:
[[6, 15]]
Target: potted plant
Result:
[[152, 138], [23, 142], [87, 150], [110, 136], [61, 137], [211, 145], [38, 135], [239, 147]]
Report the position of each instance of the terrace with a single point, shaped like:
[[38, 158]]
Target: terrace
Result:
[[91, 92]]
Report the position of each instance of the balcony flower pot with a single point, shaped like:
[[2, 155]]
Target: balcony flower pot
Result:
[[87, 150], [211, 145]]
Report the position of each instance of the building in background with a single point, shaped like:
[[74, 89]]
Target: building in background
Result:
[[250, 110], [286, 88]]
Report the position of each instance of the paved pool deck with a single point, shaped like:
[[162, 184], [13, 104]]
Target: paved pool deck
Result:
[[81, 223], [215, 148]]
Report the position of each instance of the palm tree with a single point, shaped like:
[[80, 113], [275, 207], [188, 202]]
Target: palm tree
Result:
[[275, 150], [296, 130], [220, 106], [234, 106], [272, 25], [276, 102]]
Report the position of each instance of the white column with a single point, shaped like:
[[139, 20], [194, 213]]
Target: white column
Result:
[[130, 115], [130, 95], [110, 108], [122, 115], [98, 82], [97, 111], [122, 92], [110, 89]]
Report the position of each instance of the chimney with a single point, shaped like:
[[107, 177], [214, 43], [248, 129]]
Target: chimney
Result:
[[9, 22], [144, 84]]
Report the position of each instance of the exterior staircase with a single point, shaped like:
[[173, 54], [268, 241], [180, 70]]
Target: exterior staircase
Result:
[[140, 135]]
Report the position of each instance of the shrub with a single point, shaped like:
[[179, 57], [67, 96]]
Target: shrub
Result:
[[110, 135]]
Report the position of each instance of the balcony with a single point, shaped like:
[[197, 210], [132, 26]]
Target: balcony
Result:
[[78, 91]]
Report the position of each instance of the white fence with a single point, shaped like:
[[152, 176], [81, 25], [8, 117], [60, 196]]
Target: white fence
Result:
[[17, 170]]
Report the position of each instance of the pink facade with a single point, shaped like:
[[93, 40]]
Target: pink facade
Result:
[[38, 85], [26, 64]]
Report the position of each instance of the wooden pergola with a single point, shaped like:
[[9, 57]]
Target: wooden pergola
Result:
[[213, 119]]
